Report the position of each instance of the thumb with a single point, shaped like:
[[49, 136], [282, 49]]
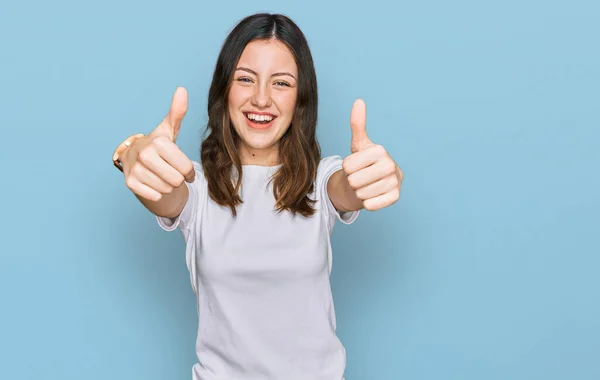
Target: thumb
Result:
[[358, 125], [171, 124]]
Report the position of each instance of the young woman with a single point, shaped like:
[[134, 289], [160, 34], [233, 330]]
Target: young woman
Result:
[[257, 213]]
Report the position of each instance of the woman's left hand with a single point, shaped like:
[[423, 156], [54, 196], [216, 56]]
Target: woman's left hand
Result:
[[371, 172]]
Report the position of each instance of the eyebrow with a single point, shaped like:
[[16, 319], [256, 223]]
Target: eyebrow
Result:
[[273, 75]]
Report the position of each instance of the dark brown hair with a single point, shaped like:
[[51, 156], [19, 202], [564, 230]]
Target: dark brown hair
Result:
[[299, 150]]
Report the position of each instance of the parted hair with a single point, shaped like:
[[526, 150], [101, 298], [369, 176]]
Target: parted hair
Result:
[[299, 150]]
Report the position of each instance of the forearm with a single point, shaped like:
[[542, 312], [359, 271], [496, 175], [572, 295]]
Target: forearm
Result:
[[341, 193], [169, 205]]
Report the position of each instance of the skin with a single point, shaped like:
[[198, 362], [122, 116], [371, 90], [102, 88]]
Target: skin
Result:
[[370, 178], [265, 82]]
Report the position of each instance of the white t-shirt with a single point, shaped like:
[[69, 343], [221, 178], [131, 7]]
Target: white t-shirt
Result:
[[261, 280]]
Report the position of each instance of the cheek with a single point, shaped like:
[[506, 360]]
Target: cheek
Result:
[[237, 97], [287, 103]]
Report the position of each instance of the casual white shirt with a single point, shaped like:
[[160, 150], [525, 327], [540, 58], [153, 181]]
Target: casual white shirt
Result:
[[261, 280]]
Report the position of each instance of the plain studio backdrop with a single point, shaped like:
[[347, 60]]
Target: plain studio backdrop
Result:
[[487, 267]]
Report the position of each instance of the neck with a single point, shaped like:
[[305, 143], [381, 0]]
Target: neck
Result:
[[260, 157]]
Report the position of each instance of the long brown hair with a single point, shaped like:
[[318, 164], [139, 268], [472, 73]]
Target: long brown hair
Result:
[[299, 150]]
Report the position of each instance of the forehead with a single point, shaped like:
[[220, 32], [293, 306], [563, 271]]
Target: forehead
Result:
[[264, 56]]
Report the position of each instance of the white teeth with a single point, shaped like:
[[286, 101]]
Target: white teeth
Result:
[[259, 117]]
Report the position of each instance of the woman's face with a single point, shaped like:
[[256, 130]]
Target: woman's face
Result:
[[262, 99]]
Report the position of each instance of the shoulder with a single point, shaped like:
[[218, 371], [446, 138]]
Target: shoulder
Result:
[[330, 160], [327, 166], [199, 170], [198, 167], [200, 184]]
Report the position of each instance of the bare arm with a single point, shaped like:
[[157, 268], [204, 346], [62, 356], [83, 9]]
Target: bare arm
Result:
[[170, 205], [341, 194], [155, 168], [370, 178]]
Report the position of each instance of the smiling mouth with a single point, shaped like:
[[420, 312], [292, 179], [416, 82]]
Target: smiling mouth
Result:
[[259, 119]]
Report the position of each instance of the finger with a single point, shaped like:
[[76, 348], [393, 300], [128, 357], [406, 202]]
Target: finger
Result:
[[378, 188], [372, 174], [364, 158], [382, 201], [400, 175], [155, 163], [176, 158], [358, 126], [150, 179], [169, 127], [142, 190], [177, 111]]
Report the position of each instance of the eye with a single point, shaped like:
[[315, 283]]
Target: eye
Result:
[[282, 84], [244, 80]]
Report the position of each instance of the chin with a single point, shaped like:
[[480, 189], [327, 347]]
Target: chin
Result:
[[259, 142]]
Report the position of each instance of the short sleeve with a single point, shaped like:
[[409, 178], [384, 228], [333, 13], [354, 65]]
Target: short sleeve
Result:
[[327, 167]]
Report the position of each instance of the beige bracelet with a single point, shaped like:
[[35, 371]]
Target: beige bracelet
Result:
[[122, 147]]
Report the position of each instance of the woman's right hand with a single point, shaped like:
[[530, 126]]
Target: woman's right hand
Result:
[[154, 165]]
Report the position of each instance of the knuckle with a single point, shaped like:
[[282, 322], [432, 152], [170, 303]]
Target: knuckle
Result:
[[369, 206], [346, 166], [136, 169], [160, 141], [379, 149], [144, 156], [130, 183], [390, 166], [178, 180], [189, 167], [353, 182]]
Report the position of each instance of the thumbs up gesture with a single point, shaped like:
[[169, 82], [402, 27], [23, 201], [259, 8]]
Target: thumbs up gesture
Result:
[[371, 172], [154, 165]]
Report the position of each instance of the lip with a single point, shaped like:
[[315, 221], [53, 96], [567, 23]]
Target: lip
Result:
[[259, 113], [253, 125]]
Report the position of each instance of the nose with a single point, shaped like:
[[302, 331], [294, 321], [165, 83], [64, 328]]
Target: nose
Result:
[[262, 96]]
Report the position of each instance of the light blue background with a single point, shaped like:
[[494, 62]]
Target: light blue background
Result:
[[487, 268]]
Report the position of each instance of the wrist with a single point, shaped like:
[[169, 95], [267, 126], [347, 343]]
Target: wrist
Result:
[[122, 148]]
